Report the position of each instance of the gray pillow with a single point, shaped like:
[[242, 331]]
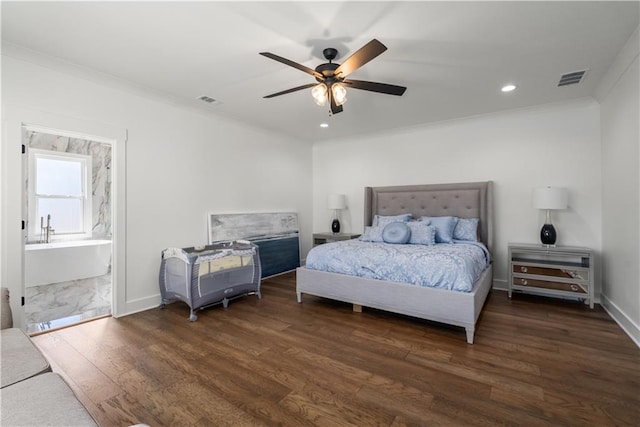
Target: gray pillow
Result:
[[397, 233], [382, 220], [444, 226], [466, 229], [371, 234], [422, 233]]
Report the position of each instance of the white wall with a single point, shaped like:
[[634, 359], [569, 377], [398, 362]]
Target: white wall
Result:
[[557, 145], [180, 165], [621, 190]]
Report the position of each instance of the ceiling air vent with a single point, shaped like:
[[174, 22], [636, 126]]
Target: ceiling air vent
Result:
[[571, 78], [208, 99]]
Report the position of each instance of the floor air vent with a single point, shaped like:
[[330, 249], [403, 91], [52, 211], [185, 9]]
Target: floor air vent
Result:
[[571, 78]]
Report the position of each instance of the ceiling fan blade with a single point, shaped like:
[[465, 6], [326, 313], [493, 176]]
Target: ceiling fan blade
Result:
[[376, 87], [365, 54], [290, 63], [295, 89]]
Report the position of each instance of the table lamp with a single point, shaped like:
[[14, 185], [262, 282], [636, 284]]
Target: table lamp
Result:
[[336, 202], [549, 198]]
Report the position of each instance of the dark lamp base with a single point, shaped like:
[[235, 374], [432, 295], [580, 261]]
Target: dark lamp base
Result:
[[335, 226], [548, 235]]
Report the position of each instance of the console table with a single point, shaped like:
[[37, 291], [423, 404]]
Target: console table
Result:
[[321, 238], [560, 271]]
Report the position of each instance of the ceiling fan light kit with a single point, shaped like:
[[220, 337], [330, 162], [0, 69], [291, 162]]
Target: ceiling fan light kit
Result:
[[339, 93], [319, 93], [331, 78]]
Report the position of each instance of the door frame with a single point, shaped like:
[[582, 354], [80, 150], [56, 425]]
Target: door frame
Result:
[[13, 168]]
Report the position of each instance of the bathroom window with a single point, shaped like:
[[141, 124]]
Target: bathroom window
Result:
[[60, 186]]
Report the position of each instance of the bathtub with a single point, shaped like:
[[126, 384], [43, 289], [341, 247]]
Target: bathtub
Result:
[[57, 262]]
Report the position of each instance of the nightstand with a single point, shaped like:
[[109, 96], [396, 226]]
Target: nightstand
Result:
[[320, 238], [561, 271]]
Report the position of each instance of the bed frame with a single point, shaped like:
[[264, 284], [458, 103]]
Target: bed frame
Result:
[[464, 200]]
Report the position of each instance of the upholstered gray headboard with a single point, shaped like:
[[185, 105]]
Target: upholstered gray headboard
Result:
[[464, 200]]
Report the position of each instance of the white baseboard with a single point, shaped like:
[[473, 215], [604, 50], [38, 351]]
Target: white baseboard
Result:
[[627, 324], [138, 305], [500, 285]]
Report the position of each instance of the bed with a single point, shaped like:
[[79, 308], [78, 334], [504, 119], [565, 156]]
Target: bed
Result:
[[462, 200]]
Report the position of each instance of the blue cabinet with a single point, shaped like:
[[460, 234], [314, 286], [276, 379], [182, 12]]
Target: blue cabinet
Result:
[[278, 255]]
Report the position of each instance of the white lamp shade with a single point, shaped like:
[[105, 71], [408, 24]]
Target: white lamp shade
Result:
[[337, 201], [319, 93], [339, 93], [550, 198]]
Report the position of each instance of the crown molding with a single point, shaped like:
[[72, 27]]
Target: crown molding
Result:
[[621, 64]]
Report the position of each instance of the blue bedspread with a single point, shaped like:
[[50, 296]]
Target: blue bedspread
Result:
[[455, 266]]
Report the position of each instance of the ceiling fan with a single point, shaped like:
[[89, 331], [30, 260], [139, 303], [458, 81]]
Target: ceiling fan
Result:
[[331, 78]]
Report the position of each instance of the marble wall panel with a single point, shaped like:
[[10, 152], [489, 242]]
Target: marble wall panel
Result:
[[101, 174]]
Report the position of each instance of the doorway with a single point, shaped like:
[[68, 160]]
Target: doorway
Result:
[[68, 206]]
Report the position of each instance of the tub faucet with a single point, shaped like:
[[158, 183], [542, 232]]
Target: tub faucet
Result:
[[46, 231]]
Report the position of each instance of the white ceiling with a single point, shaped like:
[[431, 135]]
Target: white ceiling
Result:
[[452, 56]]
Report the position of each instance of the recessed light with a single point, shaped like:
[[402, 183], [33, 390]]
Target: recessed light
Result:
[[324, 125], [508, 88]]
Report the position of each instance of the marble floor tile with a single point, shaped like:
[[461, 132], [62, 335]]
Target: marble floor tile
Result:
[[59, 304]]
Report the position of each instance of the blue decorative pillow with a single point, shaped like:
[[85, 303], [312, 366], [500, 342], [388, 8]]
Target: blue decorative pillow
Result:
[[466, 229], [396, 232], [444, 226], [422, 233], [382, 220], [372, 234]]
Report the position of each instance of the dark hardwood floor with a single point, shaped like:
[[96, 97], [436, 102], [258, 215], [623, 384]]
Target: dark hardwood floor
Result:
[[535, 362]]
